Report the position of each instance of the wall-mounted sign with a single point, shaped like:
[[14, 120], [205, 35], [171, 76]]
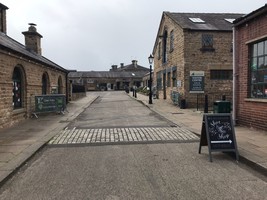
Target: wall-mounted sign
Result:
[[179, 83], [196, 83]]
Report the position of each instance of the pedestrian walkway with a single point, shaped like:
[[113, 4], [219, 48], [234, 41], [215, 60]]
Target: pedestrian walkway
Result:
[[145, 135], [251, 143], [20, 142]]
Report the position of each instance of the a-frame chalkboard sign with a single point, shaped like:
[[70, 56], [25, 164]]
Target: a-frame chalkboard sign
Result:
[[218, 133]]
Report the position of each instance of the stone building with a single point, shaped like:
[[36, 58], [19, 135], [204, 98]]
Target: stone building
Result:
[[250, 69], [118, 78], [193, 56], [24, 73]]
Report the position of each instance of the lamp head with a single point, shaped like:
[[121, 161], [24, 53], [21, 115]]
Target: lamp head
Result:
[[150, 59]]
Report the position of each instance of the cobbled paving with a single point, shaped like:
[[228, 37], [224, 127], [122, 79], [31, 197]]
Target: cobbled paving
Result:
[[100, 136]]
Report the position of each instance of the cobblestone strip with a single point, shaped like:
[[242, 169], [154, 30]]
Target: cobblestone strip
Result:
[[123, 135]]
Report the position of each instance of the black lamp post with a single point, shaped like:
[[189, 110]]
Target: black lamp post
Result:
[[150, 60]]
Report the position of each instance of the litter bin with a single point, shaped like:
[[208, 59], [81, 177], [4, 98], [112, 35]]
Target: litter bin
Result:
[[182, 104], [222, 107]]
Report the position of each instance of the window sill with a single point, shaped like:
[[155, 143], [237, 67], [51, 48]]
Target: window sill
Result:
[[19, 111], [207, 49], [256, 100]]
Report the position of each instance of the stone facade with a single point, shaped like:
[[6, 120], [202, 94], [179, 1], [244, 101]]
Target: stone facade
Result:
[[180, 51], [251, 69], [24, 73]]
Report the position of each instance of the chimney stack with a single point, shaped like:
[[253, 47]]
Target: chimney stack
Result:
[[3, 9], [114, 67], [33, 39], [134, 62]]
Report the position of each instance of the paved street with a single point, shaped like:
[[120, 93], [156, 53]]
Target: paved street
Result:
[[103, 154], [124, 135], [144, 171], [115, 118]]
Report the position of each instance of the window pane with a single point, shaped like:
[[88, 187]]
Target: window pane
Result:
[[261, 62], [259, 70], [255, 52], [207, 41], [254, 64], [260, 48], [17, 101]]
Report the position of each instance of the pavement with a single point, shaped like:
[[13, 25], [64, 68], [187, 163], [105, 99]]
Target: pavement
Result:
[[20, 142], [251, 143]]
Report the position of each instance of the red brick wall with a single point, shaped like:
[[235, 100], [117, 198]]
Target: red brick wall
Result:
[[250, 112]]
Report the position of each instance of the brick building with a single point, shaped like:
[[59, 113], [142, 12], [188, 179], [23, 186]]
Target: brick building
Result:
[[24, 73], [250, 80], [193, 56], [116, 79]]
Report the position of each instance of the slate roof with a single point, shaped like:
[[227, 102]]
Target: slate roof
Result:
[[132, 67], [212, 21], [106, 74], [260, 11], [9, 44]]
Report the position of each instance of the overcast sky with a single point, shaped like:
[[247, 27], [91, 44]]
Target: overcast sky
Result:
[[94, 34]]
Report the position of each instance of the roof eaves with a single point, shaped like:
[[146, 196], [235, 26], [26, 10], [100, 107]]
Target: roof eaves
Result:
[[250, 16]]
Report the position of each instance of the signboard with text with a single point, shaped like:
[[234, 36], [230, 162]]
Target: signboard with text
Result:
[[196, 82], [50, 103], [218, 133]]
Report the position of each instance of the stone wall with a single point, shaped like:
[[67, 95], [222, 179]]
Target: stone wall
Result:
[[187, 56], [31, 84]]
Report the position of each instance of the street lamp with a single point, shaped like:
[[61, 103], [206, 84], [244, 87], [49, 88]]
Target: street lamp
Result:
[[150, 60]]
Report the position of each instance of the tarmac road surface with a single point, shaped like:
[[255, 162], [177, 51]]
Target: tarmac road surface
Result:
[[165, 167]]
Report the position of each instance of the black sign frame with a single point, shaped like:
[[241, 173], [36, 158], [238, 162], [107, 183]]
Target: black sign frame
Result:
[[196, 84], [50, 103], [218, 134]]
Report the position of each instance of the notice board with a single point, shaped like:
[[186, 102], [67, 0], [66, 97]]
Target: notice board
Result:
[[50, 103], [218, 133], [196, 82]]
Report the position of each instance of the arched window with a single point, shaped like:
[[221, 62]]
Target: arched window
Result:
[[17, 88], [44, 83], [60, 85]]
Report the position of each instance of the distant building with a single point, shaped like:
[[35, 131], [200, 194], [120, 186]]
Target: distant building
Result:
[[24, 73], [250, 80], [118, 78], [193, 56]]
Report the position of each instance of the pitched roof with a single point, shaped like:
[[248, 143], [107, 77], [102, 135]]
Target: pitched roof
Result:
[[199, 22], [9, 44], [204, 21], [106, 74], [132, 67], [243, 19]]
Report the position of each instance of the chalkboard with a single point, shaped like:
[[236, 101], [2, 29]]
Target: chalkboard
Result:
[[50, 103], [218, 133]]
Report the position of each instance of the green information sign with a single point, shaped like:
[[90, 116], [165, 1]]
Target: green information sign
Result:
[[50, 103], [196, 82]]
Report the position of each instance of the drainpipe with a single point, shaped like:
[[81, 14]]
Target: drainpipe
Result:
[[234, 78]]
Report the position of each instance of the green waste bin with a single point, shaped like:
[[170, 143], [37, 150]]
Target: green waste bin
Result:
[[222, 107]]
